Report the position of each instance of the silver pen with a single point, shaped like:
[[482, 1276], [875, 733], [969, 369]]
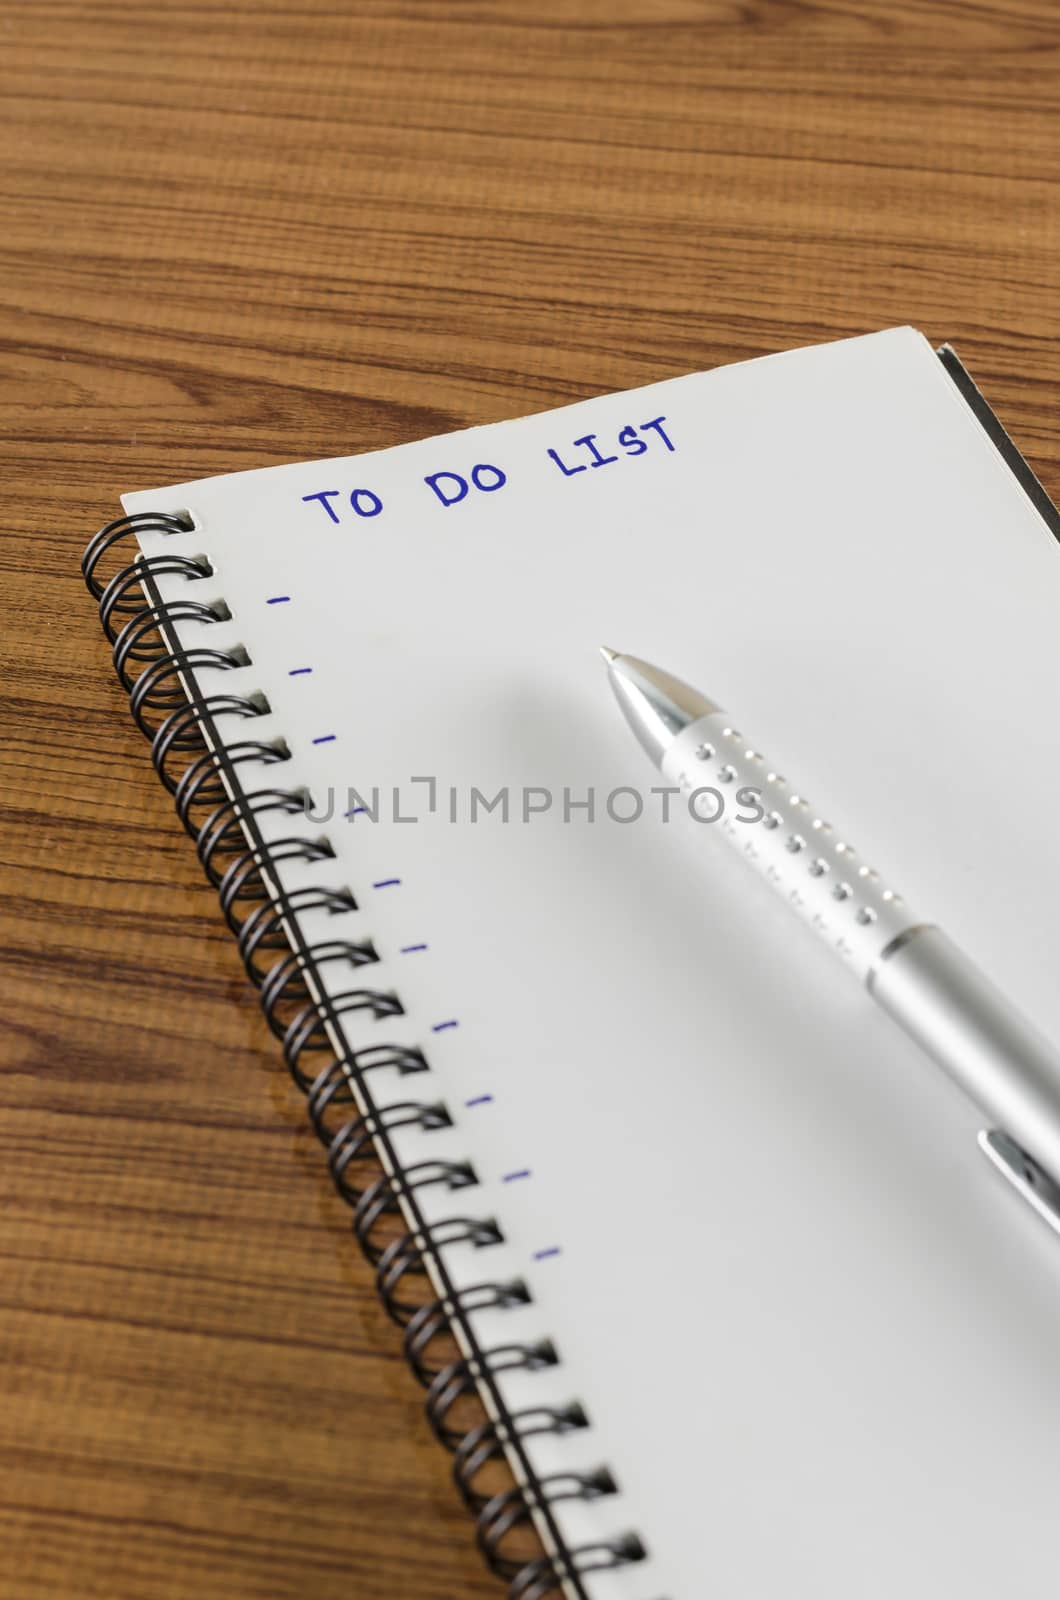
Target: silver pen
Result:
[[909, 966]]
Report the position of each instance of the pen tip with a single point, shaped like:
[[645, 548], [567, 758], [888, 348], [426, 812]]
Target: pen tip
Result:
[[608, 654]]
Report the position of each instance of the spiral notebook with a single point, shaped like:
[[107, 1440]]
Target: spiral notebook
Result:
[[709, 1287]]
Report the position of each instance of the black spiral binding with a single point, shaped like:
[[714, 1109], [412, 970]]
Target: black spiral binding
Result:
[[220, 814]]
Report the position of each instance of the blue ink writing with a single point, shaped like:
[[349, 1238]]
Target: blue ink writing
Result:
[[631, 443], [483, 476], [589, 441], [479, 474], [581, 454], [433, 481], [657, 424], [365, 503], [325, 496], [568, 472]]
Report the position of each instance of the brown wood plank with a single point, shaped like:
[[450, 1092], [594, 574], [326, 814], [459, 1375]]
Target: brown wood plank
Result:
[[238, 233]]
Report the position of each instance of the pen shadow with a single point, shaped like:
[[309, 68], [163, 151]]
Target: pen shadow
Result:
[[896, 1137]]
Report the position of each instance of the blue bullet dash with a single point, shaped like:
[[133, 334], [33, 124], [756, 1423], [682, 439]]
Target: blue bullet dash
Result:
[[298, 672], [543, 1255], [324, 738], [277, 599], [409, 949], [440, 1027], [480, 1100], [385, 883], [513, 1177]]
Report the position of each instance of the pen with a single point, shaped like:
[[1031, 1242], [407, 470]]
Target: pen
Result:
[[909, 966]]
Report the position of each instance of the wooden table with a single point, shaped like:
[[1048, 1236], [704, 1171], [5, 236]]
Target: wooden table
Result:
[[244, 233]]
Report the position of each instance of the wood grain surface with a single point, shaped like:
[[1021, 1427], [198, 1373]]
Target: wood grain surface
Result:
[[233, 234]]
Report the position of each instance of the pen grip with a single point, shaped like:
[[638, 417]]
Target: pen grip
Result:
[[807, 861], [911, 968]]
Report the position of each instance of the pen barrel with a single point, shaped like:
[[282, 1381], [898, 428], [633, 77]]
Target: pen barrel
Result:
[[911, 968], [960, 1018]]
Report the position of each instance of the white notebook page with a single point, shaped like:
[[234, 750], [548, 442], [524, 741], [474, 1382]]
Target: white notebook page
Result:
[[814, 1335]]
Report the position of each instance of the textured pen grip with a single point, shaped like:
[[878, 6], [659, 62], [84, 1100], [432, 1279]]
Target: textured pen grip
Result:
[[779, 832]]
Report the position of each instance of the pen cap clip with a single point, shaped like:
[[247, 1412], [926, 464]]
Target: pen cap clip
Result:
[[1025, 1175]]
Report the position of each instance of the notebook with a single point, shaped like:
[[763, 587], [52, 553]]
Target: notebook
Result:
[[710, 1289]]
